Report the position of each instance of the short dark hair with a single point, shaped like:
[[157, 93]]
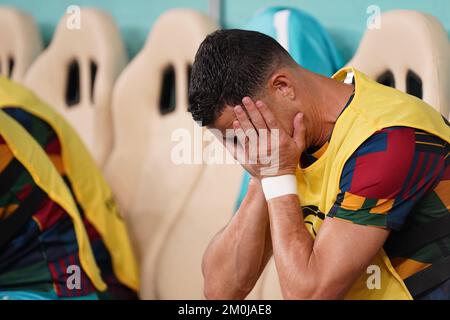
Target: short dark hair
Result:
[[229, 65]]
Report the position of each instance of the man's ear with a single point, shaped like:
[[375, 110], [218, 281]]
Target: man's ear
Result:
[[281, 82]]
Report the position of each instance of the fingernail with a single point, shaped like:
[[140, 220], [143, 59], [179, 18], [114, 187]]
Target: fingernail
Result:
[[246, 100], [238, 109], [259, 104]]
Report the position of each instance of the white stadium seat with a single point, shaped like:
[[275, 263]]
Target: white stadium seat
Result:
[[411, 52], [20, 43], [76, 75], [172, 210]]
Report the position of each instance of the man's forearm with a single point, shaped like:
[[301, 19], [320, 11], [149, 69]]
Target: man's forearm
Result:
[[292, 248], [237, 255]]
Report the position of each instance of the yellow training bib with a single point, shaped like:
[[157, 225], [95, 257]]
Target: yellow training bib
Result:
[[373, 108]]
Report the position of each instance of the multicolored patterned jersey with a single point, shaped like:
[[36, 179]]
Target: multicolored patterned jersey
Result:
[[38, 257], [398, 178]]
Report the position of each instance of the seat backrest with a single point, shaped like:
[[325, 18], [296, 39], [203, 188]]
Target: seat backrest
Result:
[[77, 72], [149, 107], [411, 52], [20, 42]]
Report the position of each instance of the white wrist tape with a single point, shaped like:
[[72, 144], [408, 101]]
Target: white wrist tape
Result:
[[274, 187]]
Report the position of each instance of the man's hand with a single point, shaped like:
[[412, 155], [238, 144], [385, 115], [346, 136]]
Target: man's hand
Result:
[[265, 147]]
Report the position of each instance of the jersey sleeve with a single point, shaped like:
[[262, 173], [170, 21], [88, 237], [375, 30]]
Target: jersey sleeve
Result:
[[387, 175]]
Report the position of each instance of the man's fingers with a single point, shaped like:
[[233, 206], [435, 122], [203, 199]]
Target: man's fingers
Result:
[[244, 121], [240, 134], [239, 154], [299, 131], [255, 115], [242, 142], [267, 115], [231, 146]]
